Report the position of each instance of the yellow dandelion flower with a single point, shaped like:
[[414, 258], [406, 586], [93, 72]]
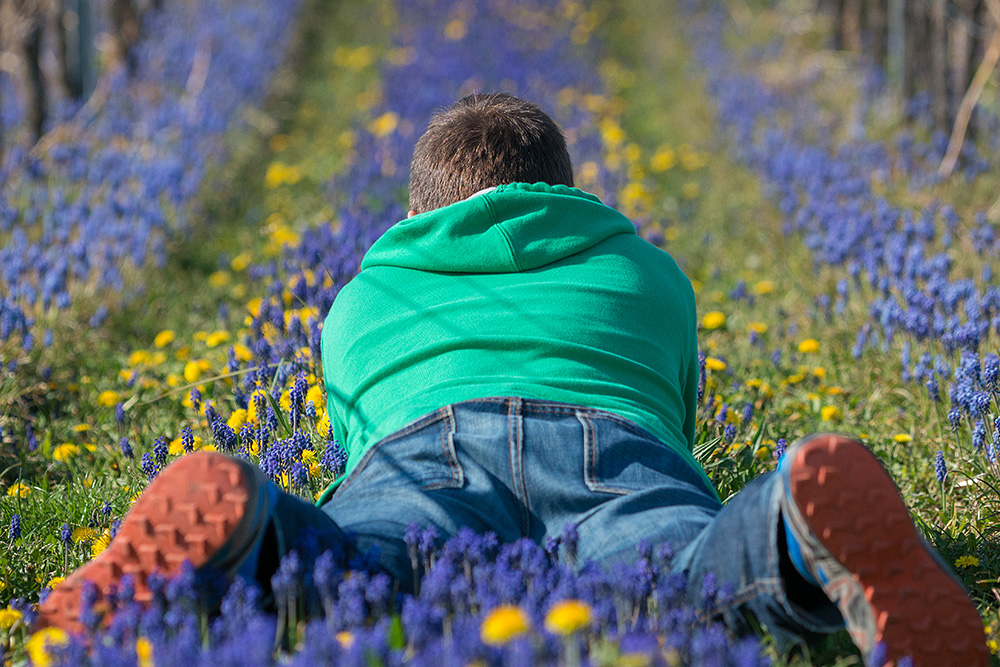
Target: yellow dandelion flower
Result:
[[713, 364], [902, 438], [55, 581], [240, 262], [401, 56], [308, 455], [503, 624], [176, 447], [19, 490], [713, 320], [830, 413], [278, 143], [253, 306], [692, 161], [663, 160], [819, 372], [286, 400], [237, 419], [8, 617], [242, 352], [279, 173], [65, 452], [315, 395], [612, 133], [84, 534], [809, 346], [384, 125], [456, 30], [323, 425], [144, 652], [100, 544], [139, 357], [81, 428], [219, 278], [764, 287], [108, 399], [192, 371], [963, 562], [637, 659], [588, 172], [757, 327], [164, 338], [217, 338], [567, 617], [42, 642]]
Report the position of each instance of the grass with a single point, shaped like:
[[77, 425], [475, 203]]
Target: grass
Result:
[[715, 220]]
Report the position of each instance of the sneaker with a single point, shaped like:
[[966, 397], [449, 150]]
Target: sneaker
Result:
[[856, 540], [206, 508]]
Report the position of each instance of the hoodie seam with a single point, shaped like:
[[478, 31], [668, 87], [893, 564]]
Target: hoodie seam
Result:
[[495, 223]]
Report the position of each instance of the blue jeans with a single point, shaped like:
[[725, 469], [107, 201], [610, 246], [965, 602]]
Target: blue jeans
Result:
[[526, 468]]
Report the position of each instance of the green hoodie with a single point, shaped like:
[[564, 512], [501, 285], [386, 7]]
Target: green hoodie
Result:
[[524, 290]]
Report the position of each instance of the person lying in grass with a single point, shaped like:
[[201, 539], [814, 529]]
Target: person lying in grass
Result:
[[512, 358]]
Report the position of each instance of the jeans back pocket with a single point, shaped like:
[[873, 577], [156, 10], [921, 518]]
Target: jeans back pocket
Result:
[[420, 454], [621, 460]]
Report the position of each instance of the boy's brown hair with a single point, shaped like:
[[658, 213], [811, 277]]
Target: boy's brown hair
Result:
[[482, 141]]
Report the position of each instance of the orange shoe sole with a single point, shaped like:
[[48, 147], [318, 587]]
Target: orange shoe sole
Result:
[[887, 579], [205, 508]]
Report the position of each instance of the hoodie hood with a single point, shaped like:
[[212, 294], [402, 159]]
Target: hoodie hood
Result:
[[510, 228]]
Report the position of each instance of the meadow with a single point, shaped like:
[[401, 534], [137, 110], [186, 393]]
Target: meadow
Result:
[[167, 259]]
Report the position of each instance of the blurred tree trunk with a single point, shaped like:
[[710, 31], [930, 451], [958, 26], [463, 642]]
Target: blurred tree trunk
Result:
[[916, 49], [876, 26], [926, 46], [125, 21], [1, 111], [65, 30], [34, 83], [849, 19], [960, 53], [938, 44]]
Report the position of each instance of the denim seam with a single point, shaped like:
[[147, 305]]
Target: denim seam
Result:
[[515, 445], [555, 407], [590, 458], [450, 455], [423, 422]]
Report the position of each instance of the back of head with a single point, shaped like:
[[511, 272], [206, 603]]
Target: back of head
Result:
[[482, 141]]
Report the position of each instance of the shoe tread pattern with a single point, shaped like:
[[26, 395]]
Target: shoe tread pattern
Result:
[[187, 513], [852, 505]]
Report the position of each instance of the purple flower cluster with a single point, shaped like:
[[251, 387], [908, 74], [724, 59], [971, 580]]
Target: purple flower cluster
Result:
[[121, 180], [899, 259], [354, 616]]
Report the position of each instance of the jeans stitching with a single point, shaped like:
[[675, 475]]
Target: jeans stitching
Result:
[[517, 444], [590, 454], [555, 407], [450, 455], [425, 421]]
